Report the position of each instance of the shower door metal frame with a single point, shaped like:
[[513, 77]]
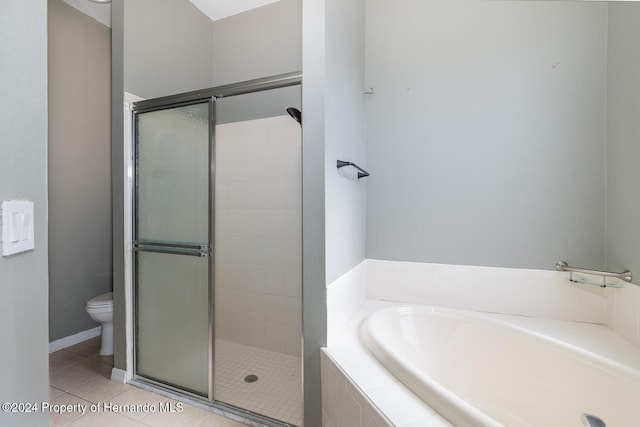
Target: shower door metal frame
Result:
[[175, 249], [209, 95]]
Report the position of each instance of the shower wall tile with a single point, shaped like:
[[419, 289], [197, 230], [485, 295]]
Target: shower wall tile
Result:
[[256, 333], [275, 337], [255, 249], [231, 328], [276, 164], [281, 138], [259, 234], [292, 313], [232, 301], [237, 195], [237, 276], [232, 169], [293, 340], [275, 308], [256, 307], [275, 194], [255, 278], [253, 168], [230, 195], [293, 282], [274, 280]]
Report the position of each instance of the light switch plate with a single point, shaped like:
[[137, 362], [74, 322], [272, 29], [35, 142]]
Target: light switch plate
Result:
[[17, 227]]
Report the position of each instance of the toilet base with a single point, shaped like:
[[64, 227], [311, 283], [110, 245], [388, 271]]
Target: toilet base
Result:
[[106, 344]]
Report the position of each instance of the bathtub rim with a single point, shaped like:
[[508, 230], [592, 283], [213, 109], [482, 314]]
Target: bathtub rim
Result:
[[455, 409]]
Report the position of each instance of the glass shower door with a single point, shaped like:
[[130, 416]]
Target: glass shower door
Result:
[[258, 258], [172, 236]]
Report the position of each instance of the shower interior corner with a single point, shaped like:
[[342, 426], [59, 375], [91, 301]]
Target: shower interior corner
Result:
[[216, 232]]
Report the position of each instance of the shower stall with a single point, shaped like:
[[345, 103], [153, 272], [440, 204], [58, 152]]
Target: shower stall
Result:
[[216, 247]]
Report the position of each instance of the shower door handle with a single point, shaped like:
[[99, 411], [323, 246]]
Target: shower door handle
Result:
[[192, 249]]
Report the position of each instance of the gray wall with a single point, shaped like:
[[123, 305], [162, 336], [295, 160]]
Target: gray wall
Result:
[[79, 167], [258, 43], [344, 137], [258, 105], [23, 175], [314, 291], [623, 137], [486, 132], [333, 203], [261, 42], [168, 48], [117, 183], [177, 48]]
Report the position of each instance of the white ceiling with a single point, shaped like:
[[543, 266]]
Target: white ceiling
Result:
[[99, 12], [214, 9], [218, 9]]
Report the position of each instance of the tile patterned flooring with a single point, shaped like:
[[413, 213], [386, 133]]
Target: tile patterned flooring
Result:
[[278, 391], [79, 376]]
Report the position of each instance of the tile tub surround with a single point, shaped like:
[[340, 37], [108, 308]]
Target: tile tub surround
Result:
[[344, 297], [343, 403], [524, 292], [623, 311], [364, 374]]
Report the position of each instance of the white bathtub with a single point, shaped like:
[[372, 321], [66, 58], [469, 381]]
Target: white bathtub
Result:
[[476, 371]]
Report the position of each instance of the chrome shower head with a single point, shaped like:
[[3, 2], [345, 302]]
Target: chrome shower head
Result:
[[296, 114]]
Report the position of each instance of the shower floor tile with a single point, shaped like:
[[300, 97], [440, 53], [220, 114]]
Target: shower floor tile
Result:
[[278, 391]]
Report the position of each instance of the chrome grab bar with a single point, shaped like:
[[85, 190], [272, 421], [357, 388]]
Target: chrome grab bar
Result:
[[563, 266]]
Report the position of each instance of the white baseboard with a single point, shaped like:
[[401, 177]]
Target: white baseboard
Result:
[[74, 339], [119, 375]]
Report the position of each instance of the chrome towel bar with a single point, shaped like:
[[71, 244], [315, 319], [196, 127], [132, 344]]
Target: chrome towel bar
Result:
[[563, 266], [361, 172]]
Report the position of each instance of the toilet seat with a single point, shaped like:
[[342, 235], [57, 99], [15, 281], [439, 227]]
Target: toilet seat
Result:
[[101, 301]]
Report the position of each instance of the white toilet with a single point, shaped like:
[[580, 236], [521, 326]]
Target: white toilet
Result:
[[100, 309]]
